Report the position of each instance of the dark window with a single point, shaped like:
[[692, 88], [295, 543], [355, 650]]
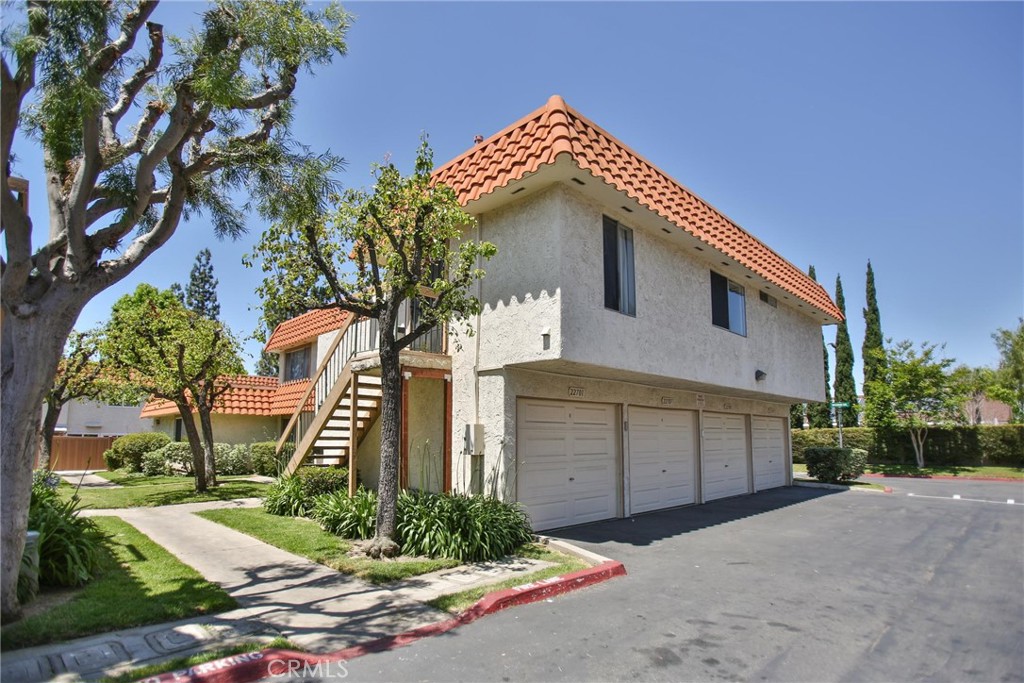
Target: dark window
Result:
[[619, 276], [178, 424], [728, 305], [296, 364]]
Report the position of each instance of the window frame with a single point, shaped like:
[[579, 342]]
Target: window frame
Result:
[[728, 304], [619, 258], [288, 377]]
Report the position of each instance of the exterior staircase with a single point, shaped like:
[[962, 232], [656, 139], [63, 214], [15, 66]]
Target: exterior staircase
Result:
[[342, 403]]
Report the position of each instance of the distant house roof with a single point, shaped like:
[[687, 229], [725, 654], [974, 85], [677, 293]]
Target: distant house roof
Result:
[[304, 328], [556, 129], [247, 395]]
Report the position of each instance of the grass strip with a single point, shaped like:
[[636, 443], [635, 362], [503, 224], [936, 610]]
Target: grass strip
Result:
[[138, 583], [184, 663], [304, 537], [564, 564], [156, 493]]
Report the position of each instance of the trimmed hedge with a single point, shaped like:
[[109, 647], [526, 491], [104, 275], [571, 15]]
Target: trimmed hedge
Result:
[[834, 465], [264, 462], [976, 446], [127, 451]]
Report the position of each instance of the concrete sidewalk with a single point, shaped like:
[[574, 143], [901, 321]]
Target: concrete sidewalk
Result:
[[278, 593]]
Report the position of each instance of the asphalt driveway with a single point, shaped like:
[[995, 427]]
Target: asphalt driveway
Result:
[[794, 584]]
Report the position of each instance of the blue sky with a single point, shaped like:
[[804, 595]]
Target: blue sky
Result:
[[834, 132]]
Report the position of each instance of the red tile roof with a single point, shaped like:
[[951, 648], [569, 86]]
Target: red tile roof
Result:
[[557, 129], [305, 328], [247, 395]]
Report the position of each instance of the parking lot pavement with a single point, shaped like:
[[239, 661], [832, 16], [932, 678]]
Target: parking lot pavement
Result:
[[792, 584]]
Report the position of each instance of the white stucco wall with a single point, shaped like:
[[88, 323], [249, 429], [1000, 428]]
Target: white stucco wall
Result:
[[80, 417], [227, 428]]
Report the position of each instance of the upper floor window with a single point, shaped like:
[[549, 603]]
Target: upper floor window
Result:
[[728, 305], [619, 276], [296, 364]]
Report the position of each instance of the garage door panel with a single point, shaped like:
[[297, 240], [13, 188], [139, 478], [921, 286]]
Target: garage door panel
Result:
[[725, 471], [768, 445], [661, 458], [568, 462]]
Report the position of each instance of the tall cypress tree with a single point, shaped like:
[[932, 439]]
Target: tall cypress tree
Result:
[[201, 293], [845, 388], [873, 348], [818, 413]]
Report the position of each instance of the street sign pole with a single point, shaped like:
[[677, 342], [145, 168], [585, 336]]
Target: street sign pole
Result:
[[839, 419]]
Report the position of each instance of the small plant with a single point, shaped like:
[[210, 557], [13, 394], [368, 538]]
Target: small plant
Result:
[[834, 465], [354, 517], [177, 458], [69, 545], [127, 450], [460, 527], [285, 497], [317, 481], [154, 463]]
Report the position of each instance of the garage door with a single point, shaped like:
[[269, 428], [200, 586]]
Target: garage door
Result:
[[724, 464], [768, 445], [568, 455], [661, 458]]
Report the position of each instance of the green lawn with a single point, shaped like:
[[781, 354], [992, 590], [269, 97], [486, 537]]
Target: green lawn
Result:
[[139, 583], [138, 491], [458, 602], [305, 537]]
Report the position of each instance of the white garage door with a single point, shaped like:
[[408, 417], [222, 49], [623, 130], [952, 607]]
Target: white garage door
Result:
[[661, 458], [568, 456], [724, 464], [768, 445]]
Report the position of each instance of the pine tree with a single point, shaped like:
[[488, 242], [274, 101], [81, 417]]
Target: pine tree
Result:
[[267, 366], [845, 388], [201, 293], [873, 350], [796, 415], [818, 413]]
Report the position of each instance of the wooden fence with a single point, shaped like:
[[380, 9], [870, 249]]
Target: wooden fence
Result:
[[79, 452]]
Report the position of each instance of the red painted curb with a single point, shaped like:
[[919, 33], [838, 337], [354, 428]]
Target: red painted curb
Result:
[[966, 477], [272, 662]]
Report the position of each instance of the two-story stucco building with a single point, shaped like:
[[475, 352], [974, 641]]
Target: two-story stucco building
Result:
[[636, 350]]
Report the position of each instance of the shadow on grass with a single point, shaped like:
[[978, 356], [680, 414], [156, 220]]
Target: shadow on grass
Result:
[[139, 583], [925, 472], [156, 495]]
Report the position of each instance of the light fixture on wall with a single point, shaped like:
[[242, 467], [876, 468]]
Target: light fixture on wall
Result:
[[760, 375]]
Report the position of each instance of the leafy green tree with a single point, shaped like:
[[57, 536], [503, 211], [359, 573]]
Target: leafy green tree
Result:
[[818, 415], [796, 415], [1009, 379], [80, 374], [915, 391], [173, 353], [402, 241], [977, 384], [873, 340], [213, 122], [201, 293], [845, 386]]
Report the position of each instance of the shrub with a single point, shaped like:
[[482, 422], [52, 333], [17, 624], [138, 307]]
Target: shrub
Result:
[[460, 527], [233, 459], [264, 462], [154, 464], [317, 481], [69, 545], [177, 458], [354, 517], [127, 450], [835, 464], [285, 497]]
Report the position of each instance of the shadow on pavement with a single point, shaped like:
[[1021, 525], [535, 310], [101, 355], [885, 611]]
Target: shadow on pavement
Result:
[[650, 527]]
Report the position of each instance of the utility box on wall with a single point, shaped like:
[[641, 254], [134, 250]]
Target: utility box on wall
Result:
[[474, 440]]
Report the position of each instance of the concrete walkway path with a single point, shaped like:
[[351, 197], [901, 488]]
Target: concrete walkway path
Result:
[[278, 593]]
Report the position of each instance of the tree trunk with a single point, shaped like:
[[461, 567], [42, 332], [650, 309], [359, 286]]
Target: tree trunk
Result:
[[207, 426], [50, 419], [31, 350], [917, 437], [188, 422], [390, 451]]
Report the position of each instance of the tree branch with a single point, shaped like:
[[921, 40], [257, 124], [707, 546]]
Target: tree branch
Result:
[[131, 87]]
